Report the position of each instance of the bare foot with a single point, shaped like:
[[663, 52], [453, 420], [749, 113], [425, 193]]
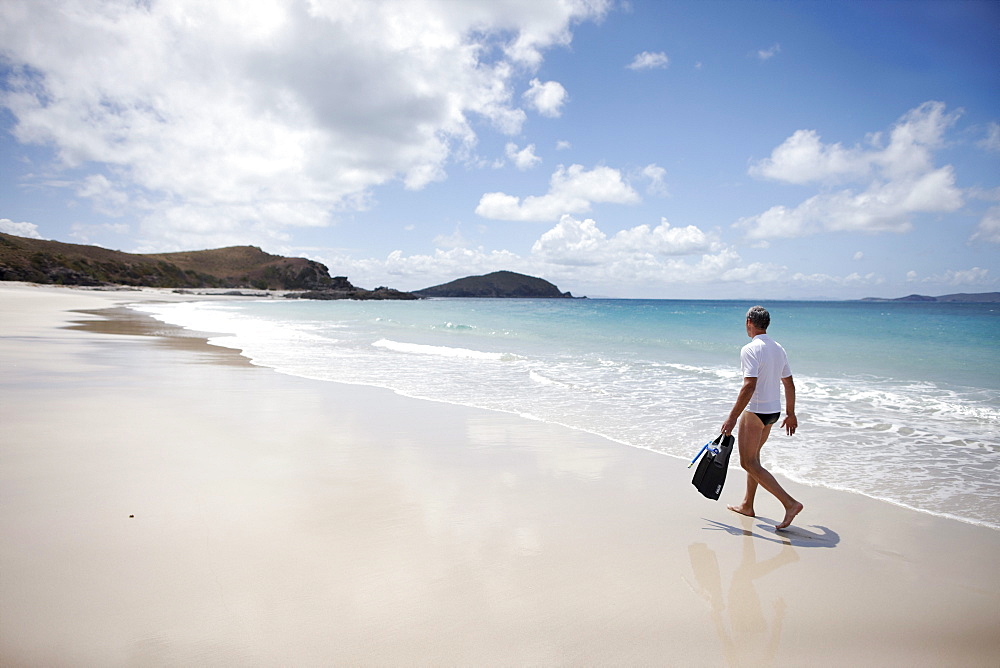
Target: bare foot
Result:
[[742, 511], [790, 514]]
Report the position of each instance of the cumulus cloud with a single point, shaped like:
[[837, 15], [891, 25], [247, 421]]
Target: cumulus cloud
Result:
[[897, 179], [580, 242], [546, 98], [644, 258], [647, 61], [190, 110], [577, 251], [803, 158], [29, 230], [572, 190], [573, 242], [576, 254], [524, 158]]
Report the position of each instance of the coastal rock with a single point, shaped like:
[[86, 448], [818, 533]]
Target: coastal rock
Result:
[[499, 284], [342, 289]]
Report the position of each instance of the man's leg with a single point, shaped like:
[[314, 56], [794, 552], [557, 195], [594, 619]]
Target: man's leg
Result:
[[752, 435]]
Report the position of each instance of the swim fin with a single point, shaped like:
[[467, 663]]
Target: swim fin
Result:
[[710, 475]]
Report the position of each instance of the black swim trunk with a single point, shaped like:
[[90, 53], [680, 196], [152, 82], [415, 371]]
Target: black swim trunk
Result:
[[768, 418]]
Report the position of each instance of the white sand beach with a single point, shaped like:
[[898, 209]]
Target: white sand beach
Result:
[[164, 502]]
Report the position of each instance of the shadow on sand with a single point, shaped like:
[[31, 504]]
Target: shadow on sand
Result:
[[793, 535]]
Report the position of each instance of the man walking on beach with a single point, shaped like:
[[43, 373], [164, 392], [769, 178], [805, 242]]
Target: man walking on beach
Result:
[[758, 407]]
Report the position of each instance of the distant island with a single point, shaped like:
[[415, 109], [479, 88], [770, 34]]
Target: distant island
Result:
[[499, 284], [961, 298], [236, 267]]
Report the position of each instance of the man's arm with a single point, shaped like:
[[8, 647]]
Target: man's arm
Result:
[[746, 392], [791, 423]]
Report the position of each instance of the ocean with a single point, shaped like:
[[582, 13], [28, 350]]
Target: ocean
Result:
[[897, 401]]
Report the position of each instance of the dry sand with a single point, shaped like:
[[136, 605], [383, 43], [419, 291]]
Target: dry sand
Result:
[[164, 503]]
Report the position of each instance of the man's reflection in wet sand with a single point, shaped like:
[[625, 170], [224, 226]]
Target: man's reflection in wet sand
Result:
[[750, 638]]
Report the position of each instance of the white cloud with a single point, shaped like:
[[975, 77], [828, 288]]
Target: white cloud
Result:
[[647, 60], [985, 194], [581, 243], [106, 198], [656, 176], [576, 254], [29, 230], [851, 280], [577, 251], [883, 207], [976, 276], [454, 240], [525, 158], [573, 242], [444, 264], [769, 52], [188, 108], [898, 180], [803, 158], [642, 258], [562, 145], [859, 256], [664, 240], [84, 233], [572, 190], [546, 98], [991, 142], [989, 227]]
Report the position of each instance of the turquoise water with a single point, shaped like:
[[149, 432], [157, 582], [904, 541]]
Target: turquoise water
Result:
[[897, 401]]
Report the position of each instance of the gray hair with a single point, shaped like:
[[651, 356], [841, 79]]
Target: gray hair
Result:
[[759, 317]]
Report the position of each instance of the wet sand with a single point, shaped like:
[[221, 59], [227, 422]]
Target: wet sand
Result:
[[164, 502]]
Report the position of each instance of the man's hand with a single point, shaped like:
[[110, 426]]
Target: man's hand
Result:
[[728, 426], [790, 423]]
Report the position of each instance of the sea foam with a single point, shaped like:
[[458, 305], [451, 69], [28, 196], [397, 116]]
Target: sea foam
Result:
[[663, 376]]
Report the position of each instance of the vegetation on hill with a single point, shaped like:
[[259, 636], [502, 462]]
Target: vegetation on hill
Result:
[[503, 284], [40, 261]]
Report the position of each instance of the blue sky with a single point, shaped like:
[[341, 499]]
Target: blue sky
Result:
[[712, 149]]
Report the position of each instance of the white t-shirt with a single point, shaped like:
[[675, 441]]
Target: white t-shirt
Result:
[[765, 359]]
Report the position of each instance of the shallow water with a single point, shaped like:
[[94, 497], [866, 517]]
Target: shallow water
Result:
[[897, 401]]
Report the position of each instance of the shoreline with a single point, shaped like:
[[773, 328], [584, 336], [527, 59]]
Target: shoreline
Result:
[[974, 514], [278, 519]]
